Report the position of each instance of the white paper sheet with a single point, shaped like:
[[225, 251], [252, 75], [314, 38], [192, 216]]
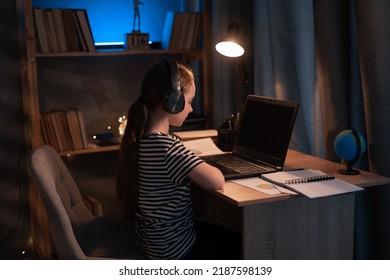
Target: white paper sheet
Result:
[[261, 185], [202, 147]]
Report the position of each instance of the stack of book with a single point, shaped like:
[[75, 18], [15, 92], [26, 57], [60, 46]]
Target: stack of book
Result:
[[64, 130], [62, 30], [182, 31]]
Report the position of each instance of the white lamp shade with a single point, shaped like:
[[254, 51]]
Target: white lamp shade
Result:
[[229, 48], [231, 44]]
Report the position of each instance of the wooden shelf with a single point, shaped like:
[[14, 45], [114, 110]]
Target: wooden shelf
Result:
[[97, 149], [196, 54]]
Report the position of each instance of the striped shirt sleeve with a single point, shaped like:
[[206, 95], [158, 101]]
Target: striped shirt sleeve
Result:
[[180, 161]]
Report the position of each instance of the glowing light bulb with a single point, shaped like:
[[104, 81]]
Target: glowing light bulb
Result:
[[122, 125], [230, 49]]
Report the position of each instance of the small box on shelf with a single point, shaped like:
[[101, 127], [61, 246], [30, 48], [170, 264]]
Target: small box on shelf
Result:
[[137, 40]]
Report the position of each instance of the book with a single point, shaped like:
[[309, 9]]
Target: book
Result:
[[65, 132], [193, 31], [167, 30], [44, 130], [85, 28], [196, 134], [80, 37], [74, 128], [48, 126], [197, 35], [202, 147], [51, 30], [40, 30], [182, 31], [311, 183], [71, 36], [56, 128], [59, 28], [82, 129]]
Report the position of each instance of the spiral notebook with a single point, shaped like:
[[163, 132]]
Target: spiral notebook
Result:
[[311, 183]]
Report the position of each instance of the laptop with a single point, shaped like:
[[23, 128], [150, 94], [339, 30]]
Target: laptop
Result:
[[262, 141]]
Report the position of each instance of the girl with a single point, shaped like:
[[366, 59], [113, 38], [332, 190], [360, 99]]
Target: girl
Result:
[[156, 169]]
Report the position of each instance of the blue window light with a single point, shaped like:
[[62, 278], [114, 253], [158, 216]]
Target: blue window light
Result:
[[111, 20]]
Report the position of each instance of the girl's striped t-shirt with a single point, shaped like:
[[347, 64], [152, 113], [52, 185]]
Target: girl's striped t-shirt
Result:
[[164, 218]]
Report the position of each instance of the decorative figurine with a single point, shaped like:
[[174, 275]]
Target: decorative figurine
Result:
[[137, 15], [137, 40]]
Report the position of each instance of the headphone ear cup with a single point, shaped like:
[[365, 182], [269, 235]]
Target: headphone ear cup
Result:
[[173, 101]]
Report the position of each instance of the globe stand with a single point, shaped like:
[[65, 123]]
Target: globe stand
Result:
[[349, 170]]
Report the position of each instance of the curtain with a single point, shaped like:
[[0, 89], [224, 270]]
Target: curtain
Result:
[[373, 25], [284, 63], [333, 58]]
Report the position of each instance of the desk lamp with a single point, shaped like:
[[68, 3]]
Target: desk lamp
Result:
[[231, 45]]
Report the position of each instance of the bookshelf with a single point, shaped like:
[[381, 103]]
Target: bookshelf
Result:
[[196, 54], [32, 79]]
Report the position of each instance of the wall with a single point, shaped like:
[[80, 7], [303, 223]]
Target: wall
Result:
[[14, 217]]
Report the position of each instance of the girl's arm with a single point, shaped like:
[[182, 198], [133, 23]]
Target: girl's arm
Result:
[[207, 176]]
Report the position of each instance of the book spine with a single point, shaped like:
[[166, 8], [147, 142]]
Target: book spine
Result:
[[71, 36], [41, 32], [51, 30], [59, 28], [85, 29]]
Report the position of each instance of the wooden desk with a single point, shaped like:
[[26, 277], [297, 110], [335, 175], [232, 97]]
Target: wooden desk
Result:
[[285, 226]]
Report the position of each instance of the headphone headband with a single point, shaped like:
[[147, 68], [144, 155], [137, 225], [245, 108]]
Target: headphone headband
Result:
[[173, 99], [175, 77]]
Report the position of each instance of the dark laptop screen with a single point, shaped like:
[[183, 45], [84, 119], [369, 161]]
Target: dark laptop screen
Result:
[[265, 129]]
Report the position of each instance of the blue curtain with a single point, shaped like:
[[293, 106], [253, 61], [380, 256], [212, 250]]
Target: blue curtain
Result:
[[373, 25], [333, 58]]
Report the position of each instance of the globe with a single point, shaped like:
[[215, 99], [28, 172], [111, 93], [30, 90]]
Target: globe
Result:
[[349, 145]]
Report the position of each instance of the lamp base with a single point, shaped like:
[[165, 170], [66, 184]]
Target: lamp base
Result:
[[349, 170]]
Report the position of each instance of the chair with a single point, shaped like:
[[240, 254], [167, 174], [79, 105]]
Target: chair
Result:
[[76, 232]]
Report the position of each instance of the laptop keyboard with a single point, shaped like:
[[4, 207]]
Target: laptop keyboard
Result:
[[236, 164]]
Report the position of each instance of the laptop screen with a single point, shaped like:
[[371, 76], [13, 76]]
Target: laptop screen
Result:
[[265, 129]]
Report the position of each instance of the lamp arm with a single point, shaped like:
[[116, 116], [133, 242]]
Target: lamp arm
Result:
[[244, 79]]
